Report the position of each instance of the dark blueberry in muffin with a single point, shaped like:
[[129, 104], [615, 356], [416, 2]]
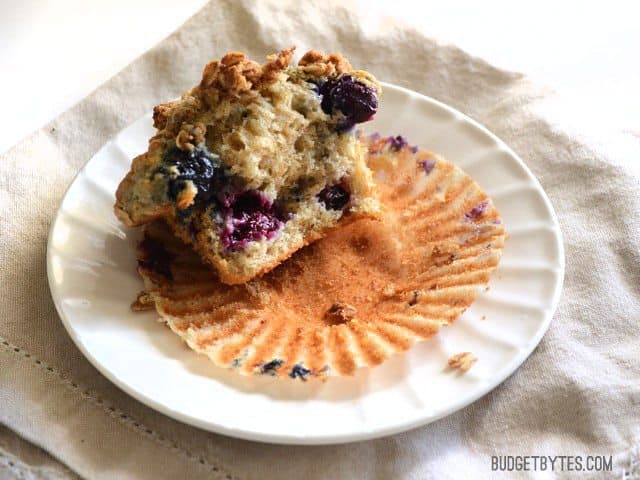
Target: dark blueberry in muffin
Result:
[[199, 166], [357, 102], [249, 216], [334, 197], [298, 371]]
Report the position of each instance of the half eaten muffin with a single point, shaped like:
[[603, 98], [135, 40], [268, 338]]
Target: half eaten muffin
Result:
[[257, 161]]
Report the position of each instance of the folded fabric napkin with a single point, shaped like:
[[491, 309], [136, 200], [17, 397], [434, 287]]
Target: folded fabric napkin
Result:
[[578, 394]]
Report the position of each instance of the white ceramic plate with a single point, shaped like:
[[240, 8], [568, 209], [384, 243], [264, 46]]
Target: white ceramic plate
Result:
[[92, 273]]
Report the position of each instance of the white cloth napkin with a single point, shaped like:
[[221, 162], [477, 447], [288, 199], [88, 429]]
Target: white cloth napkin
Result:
[[579, 392]]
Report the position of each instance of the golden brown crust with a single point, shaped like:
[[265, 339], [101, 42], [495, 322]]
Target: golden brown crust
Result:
[[235, 74], [171, 115], [190, 136], [318, 64], [135, 218], [275, 64]]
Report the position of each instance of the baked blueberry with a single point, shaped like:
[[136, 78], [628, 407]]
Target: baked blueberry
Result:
[[248, 217], [357, 101], [199, 166], [334, 197]]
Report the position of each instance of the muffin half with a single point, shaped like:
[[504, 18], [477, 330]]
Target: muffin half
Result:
[[257, 161]]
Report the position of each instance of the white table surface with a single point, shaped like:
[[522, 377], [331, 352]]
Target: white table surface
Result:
[[53, 53]]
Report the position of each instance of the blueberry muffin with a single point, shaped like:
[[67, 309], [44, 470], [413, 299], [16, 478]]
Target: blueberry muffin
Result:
[[257, 161], [364, 292]]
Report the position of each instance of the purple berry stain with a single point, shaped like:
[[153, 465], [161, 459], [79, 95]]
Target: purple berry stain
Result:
[[357, 102], [477, 211], [397, 143], [270, 368], [298, 371], [427, 165], [334, 197], [249, 216]]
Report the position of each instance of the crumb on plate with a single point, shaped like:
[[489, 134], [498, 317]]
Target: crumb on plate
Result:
[[462, 361]]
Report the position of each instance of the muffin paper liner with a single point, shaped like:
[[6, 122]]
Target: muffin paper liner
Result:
[[367, 291]]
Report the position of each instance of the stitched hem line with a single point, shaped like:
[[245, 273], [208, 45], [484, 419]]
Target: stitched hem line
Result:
[[9, 464], [22, 470], [116, 413]]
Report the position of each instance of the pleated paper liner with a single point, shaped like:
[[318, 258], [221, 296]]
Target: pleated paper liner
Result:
[[367, 291]]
